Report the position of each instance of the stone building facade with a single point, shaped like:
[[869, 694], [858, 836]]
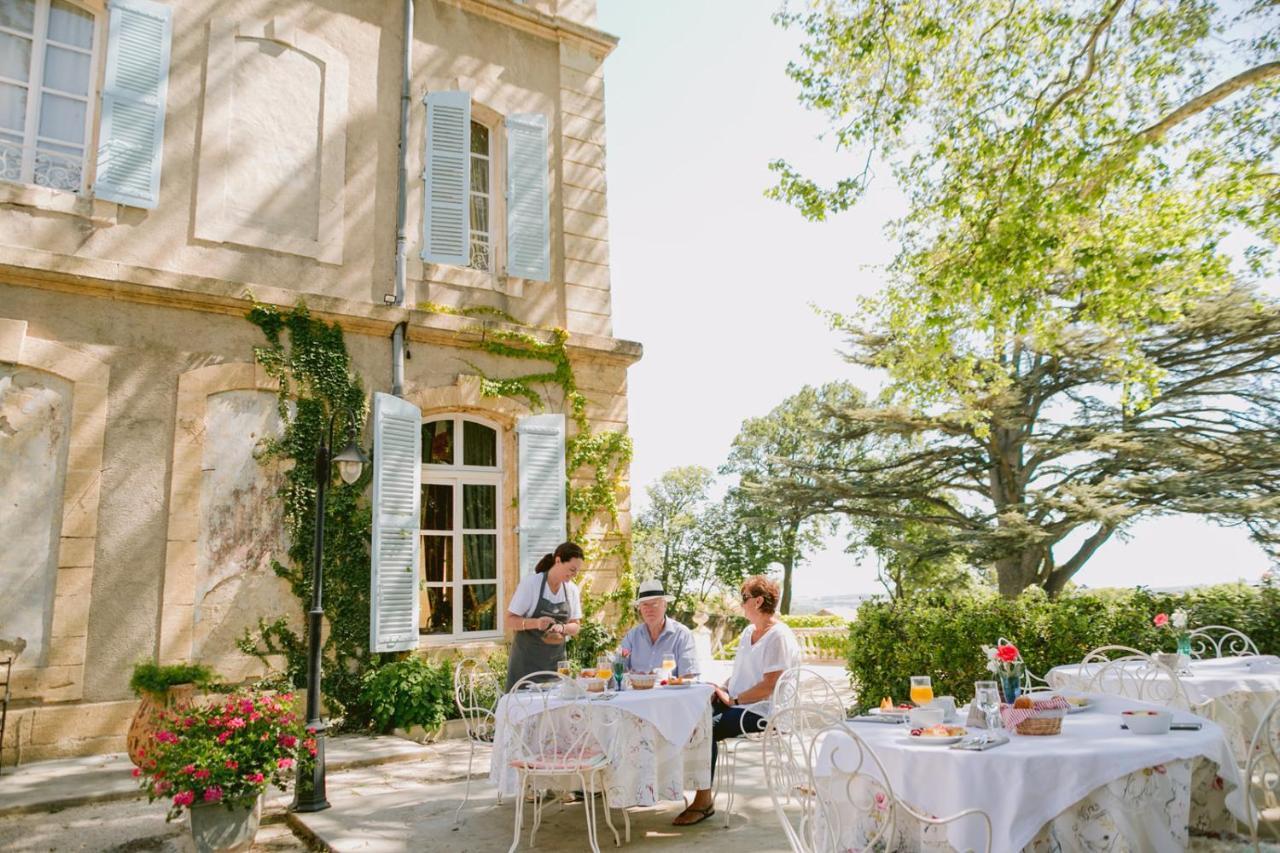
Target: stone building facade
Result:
[[169, 161]]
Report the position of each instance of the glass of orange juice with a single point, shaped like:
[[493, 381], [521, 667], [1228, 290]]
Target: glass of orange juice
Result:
[[604, 667], [921, 689]]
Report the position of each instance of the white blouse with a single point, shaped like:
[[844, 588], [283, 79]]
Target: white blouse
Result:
[[525, 599], [777, 650]]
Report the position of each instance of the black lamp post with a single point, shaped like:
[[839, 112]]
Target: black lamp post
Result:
[[309, 787]]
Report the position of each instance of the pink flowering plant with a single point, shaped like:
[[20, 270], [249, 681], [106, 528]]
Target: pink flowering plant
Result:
[[226, 752]]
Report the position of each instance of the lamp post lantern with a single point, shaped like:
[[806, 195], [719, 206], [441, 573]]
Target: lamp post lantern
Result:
[[309, 787]]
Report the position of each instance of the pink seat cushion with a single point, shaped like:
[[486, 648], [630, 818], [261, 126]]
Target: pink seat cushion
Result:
[[577, 760]]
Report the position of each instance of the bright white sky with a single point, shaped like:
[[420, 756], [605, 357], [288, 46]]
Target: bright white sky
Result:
[[718, 282]]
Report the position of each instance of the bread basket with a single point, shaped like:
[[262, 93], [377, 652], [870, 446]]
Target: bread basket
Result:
[[1044, 717], [642, 681]]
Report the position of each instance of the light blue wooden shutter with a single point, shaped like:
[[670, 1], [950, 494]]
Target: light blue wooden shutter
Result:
[[131, 136], [542, 488], [397, 467], [528, 228], [446, 222]]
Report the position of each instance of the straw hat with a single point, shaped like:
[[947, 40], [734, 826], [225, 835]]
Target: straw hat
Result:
[[651, 589]]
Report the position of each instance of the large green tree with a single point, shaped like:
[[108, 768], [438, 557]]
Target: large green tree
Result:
[[789, 439], [667, 542], [1092, 187]]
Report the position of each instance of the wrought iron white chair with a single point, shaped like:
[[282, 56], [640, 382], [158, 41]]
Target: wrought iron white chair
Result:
[[1125, 671], [1262, 777], [785, 745], [797, 685], [852, 805], [549, 741], [1215, 641], [475, 691]]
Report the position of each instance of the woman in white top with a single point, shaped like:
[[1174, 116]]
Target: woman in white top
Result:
[[766, 649], [545, 610]]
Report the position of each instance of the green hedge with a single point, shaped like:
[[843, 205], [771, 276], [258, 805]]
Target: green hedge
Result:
[[941, 635]]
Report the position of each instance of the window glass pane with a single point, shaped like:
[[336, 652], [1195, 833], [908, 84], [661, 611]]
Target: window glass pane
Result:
[[479, 607], [13, 107], [61, 118], [479, 507], [437, 442], [18, 15], [437, 507], [479, 138], [480, 176], [66, 70], [479, 214], [437, 553], [436, 611], [70, 24], [479, 445], [15, 57], [480, 556]]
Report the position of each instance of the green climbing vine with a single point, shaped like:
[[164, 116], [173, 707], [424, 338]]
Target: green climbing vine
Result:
[[595, 461], [309, 359]]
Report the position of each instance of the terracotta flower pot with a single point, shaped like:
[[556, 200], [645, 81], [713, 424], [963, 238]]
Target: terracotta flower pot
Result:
[[146, 722]]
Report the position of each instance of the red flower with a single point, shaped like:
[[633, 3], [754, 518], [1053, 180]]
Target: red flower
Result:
[[163, 788], [213, 794], [1007, 653], [184, 798], [255, 777], [284, 763], [201, 774], [190, 768], [1161, 620], [235, 723], [288, 741], [137, 771], [222, 738], [233, 765]]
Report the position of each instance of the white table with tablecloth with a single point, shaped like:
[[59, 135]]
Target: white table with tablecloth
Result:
[[658, 741], [1064, 792], [1234, 692]]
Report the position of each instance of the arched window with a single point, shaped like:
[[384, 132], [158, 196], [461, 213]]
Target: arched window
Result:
[[460, 576]]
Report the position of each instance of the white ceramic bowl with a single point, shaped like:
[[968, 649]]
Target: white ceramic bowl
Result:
[[1147, 722], [925, 716]]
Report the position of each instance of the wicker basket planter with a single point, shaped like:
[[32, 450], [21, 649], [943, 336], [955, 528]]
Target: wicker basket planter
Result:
[[146, 719]]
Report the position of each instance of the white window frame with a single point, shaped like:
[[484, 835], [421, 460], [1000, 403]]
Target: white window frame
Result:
[[35, 85], [456, 476]]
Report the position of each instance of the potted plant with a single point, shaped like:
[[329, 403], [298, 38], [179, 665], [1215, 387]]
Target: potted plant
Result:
[[217, 760], [160, 688]]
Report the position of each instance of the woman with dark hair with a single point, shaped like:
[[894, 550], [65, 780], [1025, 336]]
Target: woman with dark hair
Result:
[[766, 649], [545, 610]]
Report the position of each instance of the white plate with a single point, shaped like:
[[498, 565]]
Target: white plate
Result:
[[1076, 709], [678, 686], [933, 741], [895, 712]]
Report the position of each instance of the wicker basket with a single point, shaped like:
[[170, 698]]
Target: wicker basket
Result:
[[1049, 724]]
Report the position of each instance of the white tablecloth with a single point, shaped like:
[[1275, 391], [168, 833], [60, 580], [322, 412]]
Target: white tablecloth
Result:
[[1239, 688], [658, 742], [1025, 784]]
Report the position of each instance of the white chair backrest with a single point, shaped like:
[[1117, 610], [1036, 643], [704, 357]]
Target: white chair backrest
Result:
[[1125, 671], [1215, 641], [476, 690], [1262, 770], [802, 685], [545, 732], [787, 772]]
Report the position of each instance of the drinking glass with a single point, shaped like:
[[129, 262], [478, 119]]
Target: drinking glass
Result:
[[668, 664], [562, 667], [921, 689], [986, 694], [604, 667], [619, 668]]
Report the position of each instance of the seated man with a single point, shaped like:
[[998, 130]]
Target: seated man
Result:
[[656, 635]]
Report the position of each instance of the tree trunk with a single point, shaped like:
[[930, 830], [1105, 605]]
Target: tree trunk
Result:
[[785, 607]]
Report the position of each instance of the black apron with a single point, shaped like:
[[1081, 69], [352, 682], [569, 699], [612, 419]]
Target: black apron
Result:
[[532, 650]]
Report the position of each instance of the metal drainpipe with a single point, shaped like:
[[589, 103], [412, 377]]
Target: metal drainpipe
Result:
[[402, 171]]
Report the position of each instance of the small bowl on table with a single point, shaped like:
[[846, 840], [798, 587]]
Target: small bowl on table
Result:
[[1147, 722], [925, 716], [642, 680], [593, 685]]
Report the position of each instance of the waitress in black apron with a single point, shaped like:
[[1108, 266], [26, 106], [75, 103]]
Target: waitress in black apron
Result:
[[545, 610]]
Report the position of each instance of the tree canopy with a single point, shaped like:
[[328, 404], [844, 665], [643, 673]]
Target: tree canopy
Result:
[[1070, 326]]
